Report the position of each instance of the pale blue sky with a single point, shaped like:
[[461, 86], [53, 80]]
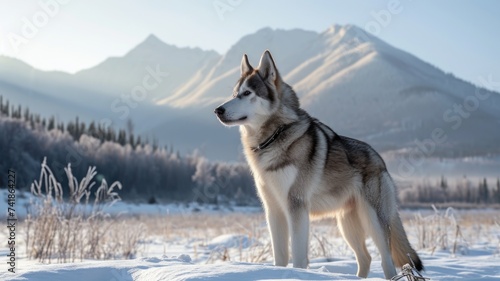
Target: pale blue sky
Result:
[[457, 36]]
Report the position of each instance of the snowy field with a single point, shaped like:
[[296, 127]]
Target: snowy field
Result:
[[192, 242]]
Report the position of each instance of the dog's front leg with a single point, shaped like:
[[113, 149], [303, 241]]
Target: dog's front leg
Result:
[[278, 226], [299, 227]]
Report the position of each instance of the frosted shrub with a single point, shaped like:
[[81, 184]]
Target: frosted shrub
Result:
[[66, 228], [439, 231]]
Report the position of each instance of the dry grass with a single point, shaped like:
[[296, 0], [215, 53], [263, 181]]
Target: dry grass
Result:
[[67, 228], [453, 230], [73, 227], [443, 230]]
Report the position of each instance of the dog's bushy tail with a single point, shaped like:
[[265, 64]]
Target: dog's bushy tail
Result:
[[400, 246]]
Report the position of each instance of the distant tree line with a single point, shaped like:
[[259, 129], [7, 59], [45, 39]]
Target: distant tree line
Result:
[[76, 128], [149, 172], [146, 171], [463, 191]]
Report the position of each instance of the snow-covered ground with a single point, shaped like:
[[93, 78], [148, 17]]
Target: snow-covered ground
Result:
[[181, 268], [478, 264], [192, 242]]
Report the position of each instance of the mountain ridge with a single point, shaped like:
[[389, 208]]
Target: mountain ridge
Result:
[[348, 78]]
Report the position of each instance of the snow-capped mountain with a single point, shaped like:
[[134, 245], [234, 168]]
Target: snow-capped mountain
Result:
[[217, 85], [174, 65], [363, 87], [351, 80]]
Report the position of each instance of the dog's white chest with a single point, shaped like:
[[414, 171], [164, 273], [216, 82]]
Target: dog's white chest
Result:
[[277, 183]]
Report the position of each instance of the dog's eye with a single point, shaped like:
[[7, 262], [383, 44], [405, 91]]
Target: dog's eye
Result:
[[246, 93]]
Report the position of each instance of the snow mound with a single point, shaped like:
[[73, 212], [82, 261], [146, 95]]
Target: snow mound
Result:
[[231, 241], [236, 271], [172, 269]]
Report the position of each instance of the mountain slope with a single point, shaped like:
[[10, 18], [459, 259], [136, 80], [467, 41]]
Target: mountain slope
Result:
[[217, 85], [177, 65], [386, 96], [106, 90], [351, 80], [363, 87]]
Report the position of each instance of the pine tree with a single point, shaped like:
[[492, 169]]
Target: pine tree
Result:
[[444, 186], [155, 144], [138, 142], [131, 140], [101, 133], [7, 113], [122, 137], [82, 129], [60, 127], [110, 135], [32, 122], [498, 191], [468, 193], [130, 127], [19, 110], [26, 114], [483, 193], [51, 124], [77, 129], [486, 191], [70, 128], [92, 131]]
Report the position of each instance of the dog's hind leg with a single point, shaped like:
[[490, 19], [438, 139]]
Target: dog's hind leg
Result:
[[354, 234], [380, 233]]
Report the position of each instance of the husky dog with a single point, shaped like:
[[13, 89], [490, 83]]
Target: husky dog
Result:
[[302, 167]]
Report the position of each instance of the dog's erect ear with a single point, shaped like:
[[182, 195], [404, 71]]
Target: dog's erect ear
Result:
[[267, 68], [245, 65]]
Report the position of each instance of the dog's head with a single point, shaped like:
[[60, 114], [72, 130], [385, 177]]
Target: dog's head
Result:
[[256, 95]]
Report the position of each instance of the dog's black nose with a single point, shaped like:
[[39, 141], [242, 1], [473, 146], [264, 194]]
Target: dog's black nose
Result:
[[219, 110]]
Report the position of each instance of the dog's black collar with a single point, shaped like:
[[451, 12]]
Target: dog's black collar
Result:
[[263, 145]]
